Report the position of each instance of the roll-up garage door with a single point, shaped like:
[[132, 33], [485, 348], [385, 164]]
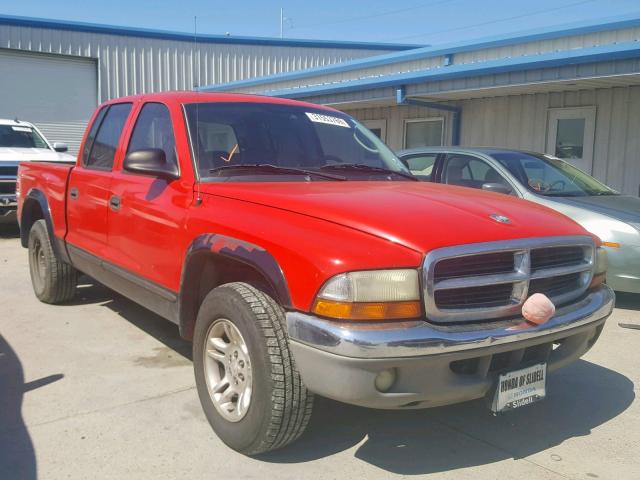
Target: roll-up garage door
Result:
[[57, 93]]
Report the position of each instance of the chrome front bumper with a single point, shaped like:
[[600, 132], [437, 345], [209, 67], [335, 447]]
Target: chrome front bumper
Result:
[[341, 361]]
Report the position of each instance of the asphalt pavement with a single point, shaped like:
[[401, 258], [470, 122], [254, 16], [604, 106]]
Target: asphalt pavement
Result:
[[103, 389]]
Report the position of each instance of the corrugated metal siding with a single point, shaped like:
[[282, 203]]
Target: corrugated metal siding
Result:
[[131, 65], [423, 64], [553, 45]]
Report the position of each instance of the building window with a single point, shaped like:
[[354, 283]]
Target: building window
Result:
[[377, 127], [571, 134], [424, 132]]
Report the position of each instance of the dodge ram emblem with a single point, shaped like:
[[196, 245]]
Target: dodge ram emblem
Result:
[[500, 218]]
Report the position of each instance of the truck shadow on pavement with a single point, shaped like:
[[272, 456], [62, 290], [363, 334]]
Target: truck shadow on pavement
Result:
[[9, 230], [92, 292], [17, 456], [580, 398], [628, 301]]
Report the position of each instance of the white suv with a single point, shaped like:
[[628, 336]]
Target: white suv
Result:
[[22, 142]]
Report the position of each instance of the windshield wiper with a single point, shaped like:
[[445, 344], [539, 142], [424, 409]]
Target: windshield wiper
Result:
[[370, 168], [597, 194], [267, 167]]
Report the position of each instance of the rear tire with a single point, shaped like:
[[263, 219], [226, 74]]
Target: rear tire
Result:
[[238, 319], [53, 281]]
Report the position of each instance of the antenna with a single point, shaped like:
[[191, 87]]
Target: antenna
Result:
[[196, 150], [284, 19]]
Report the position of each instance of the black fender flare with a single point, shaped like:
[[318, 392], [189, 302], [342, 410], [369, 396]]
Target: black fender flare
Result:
[[26, 221], [250, 254]]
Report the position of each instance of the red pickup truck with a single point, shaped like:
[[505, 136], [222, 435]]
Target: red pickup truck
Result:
[[301, 257]]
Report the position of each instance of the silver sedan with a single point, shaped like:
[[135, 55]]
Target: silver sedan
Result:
[[552, 182]]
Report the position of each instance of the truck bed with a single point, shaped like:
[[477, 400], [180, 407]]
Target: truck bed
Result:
[[49, 179]]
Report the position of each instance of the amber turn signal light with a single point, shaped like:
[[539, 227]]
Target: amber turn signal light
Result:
[[597, 280], [367, 310]]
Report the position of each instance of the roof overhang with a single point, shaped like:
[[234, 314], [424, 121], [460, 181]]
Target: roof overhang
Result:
[[389, 98], [350, 67], [585, 56]]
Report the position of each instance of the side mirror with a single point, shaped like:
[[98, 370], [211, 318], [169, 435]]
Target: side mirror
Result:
[[151, 161], [60, 147], [497, 188]]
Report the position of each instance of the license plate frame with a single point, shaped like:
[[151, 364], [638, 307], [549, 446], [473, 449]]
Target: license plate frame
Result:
[[518, 388]]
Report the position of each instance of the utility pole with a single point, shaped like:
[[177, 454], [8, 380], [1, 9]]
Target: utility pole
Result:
[[281, 21]]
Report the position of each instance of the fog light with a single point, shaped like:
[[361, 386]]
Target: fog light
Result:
[[385, 380]]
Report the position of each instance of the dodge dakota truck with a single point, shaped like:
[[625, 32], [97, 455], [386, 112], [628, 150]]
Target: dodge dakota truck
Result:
[[21, 141], [300, 257]]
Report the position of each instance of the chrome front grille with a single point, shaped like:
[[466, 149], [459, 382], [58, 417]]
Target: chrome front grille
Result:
[[8, 175], [485, 281]]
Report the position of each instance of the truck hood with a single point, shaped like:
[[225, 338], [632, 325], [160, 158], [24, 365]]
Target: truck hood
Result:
[[28, 154], [419, 215]]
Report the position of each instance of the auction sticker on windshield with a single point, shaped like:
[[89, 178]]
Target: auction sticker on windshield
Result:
[[328, 119], [520, 387]]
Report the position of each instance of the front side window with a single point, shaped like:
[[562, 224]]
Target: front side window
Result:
[[243, 138], [103, 148], [468, 171], [153, 129], [550, 176], [20, 136]]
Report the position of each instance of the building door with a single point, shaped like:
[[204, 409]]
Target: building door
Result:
[[570, 135], [378, 127], [57, 93]]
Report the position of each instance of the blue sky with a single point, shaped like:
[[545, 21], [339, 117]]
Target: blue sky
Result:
[[400, 21]]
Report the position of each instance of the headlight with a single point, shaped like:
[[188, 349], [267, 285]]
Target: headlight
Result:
[[370, 295], [600, 268]]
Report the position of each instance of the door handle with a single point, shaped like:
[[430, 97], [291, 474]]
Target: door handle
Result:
[[73, 193], [114, 202]]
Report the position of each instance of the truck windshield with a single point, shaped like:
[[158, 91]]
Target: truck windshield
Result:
[[19, 136], [252, 135], [550, 176]]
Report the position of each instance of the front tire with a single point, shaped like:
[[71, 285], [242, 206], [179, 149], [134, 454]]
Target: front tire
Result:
[[53, 281], [248, 384]]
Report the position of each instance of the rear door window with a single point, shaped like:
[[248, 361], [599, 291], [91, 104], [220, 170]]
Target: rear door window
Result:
[[421, 165], [92, 134], [103, 148]]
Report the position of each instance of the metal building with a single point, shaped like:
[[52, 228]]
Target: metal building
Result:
[[54, 73], [575, 88]]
